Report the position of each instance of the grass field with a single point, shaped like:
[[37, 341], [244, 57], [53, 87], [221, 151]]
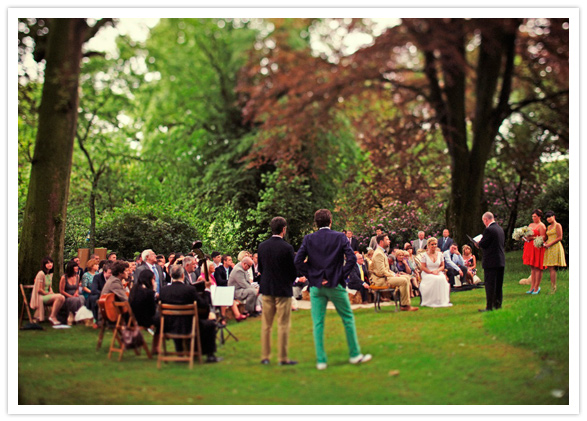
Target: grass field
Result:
[[445, 356]]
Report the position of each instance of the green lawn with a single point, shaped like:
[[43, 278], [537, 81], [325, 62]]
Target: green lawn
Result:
[[452, 356]]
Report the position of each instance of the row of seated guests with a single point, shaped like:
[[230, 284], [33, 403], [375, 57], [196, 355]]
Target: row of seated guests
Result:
[[143, 300], [404, 270]]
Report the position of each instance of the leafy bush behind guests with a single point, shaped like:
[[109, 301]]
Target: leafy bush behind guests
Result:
[[401, 222], [133, 227]]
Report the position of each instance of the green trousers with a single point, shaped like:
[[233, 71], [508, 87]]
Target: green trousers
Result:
[[319, 298]]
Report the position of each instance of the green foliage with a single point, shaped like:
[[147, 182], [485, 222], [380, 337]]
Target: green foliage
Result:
[[290, 198], [555, 197], [220, 228], [132, 228], [401, 222], [77, 226]]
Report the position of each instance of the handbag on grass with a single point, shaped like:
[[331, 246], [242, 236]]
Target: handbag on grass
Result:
[[132, 337]]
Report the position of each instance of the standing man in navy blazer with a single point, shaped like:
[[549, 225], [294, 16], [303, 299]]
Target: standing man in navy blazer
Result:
[[492, 245], [326, 270], [353, 242], [445, 242], [278, 273]]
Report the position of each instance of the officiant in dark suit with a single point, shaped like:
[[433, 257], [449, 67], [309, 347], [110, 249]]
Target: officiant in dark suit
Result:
[[493, 261], [278, 273]]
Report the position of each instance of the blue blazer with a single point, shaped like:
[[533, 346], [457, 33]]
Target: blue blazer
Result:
[[326, 251]]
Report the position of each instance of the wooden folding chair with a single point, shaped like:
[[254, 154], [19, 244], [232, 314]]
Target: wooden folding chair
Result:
[[124, 309], [107, 312], [25, 305], [173, 310]]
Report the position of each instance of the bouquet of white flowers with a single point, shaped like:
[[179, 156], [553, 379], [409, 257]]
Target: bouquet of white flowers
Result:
[[538, 241], [520, 233]]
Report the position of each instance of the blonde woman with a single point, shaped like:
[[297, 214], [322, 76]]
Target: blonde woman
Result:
[[434, 287]]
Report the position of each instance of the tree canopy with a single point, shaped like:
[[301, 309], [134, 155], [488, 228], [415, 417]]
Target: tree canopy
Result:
[[227, 123]]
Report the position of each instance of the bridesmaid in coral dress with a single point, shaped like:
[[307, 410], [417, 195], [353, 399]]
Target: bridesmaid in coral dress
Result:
[[534, 256], [555, 254]]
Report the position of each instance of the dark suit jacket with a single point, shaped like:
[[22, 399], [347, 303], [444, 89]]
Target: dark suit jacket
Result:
[[354, 244], [276, 264], [97, 284], [144, 307], [355, 277], [180, 293], [492, 245], [444, 244], [221, 276], [326, 250]]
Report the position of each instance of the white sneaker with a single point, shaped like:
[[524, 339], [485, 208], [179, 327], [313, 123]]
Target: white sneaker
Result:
[[321, 366], [360, 359]]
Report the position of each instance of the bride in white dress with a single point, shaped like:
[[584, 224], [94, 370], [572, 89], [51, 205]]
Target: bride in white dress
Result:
[[434, 287]]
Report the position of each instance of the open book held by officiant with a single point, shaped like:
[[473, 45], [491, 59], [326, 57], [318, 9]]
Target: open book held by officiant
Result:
[[475, 240]]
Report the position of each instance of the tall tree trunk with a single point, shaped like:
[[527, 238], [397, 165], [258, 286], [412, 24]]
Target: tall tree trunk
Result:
[[43, 228]]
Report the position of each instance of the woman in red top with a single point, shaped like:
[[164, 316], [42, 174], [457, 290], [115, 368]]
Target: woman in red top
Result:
[[534, 256]]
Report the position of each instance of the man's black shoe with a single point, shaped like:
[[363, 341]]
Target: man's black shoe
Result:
[[265, 362], [254, 314], [290, 362]]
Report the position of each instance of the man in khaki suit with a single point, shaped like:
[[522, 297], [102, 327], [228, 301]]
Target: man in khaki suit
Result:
[[381, 274]]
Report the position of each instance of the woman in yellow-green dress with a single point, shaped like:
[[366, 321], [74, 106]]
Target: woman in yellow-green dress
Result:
[[554, 255]]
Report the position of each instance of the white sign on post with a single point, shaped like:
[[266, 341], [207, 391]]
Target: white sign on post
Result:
[[222, 296]]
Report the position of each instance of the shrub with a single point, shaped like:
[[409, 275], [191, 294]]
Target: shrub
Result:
[[132, 228]]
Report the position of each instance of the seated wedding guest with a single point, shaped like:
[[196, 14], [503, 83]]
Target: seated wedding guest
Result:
[[208, 282], [470, 262], [88, 278], [96, 289], [359, 278], [255, 268], [411, 260], [117, 282], [180, 293], [216, 258], [434, 287], [455, 265], [143, 304], [243, 290], [69, 288], [381, 274], [222, 272], [251, 275], [403, 268], [299, 284], [43, 293], [161, 263]]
